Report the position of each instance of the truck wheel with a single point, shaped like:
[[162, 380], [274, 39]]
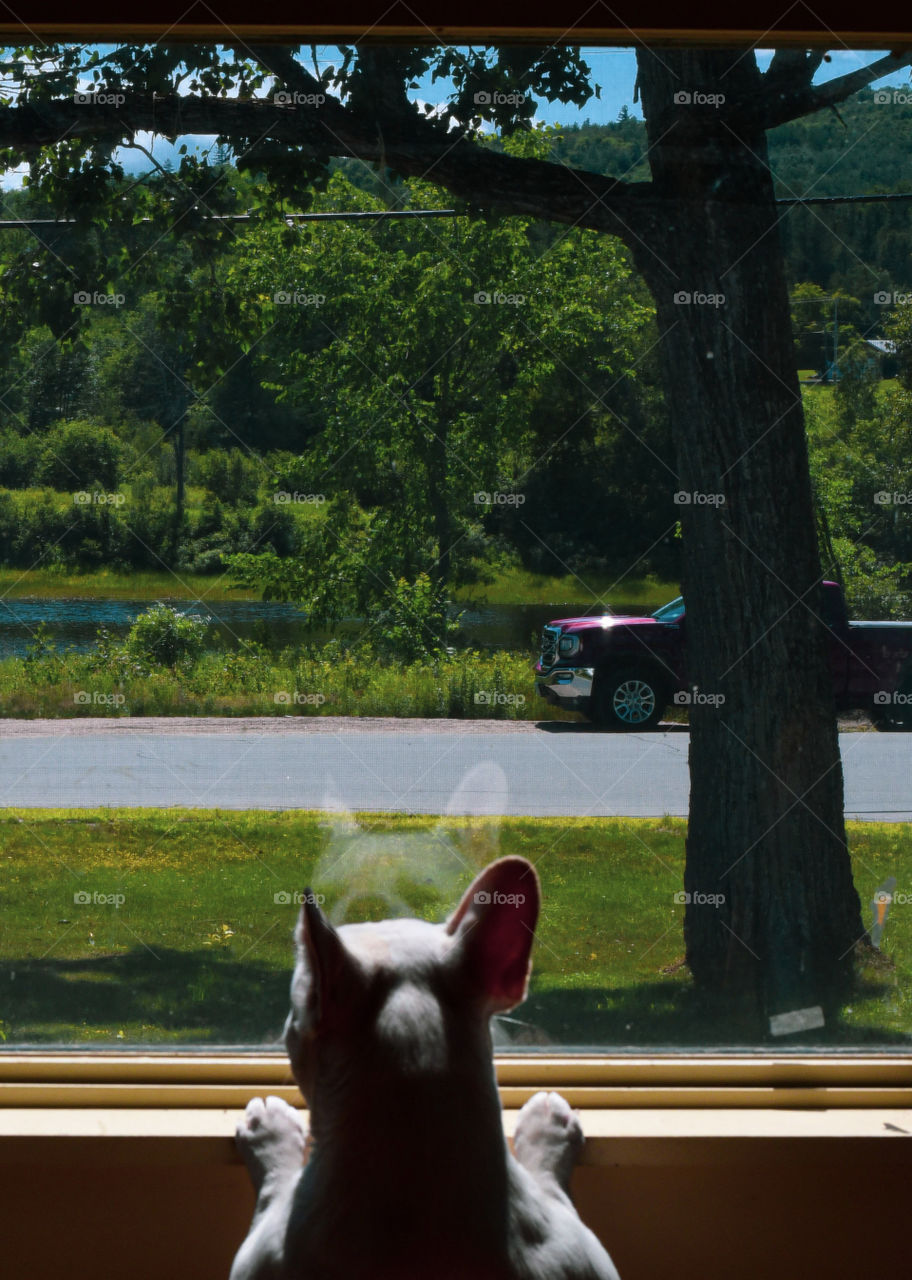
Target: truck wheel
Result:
[[628, 699]]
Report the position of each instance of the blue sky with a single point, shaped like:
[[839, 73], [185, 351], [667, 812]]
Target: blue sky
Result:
[[614, 71]]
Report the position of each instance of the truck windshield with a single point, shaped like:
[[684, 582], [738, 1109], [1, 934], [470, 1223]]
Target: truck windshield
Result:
[[671, 612]]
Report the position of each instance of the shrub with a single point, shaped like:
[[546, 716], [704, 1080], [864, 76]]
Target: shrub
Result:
[[18, 459], [414, 622], [75, 455], [163, 637], [873, 589], [231, 475]]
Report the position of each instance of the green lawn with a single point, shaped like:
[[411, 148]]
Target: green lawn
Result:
[[185, 933]]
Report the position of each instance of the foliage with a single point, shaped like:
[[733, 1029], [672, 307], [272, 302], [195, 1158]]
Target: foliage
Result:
[[414, 622], [78, 454], [165, 637], [554, 401], [862, 476], [232, 475], [338, 680]]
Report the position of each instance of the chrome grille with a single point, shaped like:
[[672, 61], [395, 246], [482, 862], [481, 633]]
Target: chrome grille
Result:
[[549, 641]]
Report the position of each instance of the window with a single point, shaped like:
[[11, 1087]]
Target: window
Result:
[[428, 437]]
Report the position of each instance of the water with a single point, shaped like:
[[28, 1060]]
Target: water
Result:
[[74, 623]]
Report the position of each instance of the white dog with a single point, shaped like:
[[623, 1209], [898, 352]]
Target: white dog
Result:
[[407, 1174]]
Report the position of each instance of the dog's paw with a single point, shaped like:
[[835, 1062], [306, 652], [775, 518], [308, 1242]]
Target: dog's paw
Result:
[[549, 1137], [271, 1138]]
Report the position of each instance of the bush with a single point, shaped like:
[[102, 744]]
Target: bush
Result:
[[149, 523], [231, 475], [873, 590], [18, 459], [76, 455], [163, 637], [33, 523], [414, 624]]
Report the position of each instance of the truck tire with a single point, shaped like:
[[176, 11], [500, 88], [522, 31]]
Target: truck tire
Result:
[[629, 699]]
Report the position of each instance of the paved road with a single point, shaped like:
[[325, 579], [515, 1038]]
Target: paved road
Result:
[[455, 768]]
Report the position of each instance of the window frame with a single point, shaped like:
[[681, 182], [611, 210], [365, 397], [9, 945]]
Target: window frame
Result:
[[133, 1078]]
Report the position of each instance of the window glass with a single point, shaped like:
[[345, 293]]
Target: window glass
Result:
[[351, 492]]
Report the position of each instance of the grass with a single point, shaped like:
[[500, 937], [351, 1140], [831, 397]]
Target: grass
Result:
[[108, 584], [182, 931], [256, 683], [519, 586], [510, 586]]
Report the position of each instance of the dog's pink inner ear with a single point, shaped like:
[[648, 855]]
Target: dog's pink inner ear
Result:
[[495, 926]]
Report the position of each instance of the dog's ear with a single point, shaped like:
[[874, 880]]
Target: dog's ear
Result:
[[327, 965], [494, 927]]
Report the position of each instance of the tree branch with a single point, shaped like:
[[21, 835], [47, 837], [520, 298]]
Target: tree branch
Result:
[[789, 101], [796, 65], [408, 143]]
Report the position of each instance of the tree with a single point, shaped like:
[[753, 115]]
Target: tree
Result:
[[766, 816], [422, 353]]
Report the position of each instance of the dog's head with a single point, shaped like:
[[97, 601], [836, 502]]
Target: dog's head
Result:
[[394, 996]]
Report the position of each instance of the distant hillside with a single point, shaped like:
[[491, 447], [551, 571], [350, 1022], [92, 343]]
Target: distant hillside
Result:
[[865, 148]]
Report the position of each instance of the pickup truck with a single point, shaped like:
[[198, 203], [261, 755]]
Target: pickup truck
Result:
[[622, 672]]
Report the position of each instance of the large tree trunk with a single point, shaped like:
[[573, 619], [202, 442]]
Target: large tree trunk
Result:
[[766, 826]]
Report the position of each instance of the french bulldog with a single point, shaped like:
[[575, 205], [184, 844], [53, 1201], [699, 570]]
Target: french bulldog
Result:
[[405, 1173]]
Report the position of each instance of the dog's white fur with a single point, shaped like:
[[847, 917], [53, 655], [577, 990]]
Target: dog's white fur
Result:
[[407, 1175]]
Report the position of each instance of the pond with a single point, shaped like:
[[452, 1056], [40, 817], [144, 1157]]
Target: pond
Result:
[[74, 623]]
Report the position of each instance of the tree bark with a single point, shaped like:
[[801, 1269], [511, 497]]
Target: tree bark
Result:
[[773, 914]]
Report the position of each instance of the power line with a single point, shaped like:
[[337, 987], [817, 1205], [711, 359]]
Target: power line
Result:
[[873, 199], [27, 224], [11, 224]]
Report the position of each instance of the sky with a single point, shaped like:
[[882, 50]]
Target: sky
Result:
[[613, 70]]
